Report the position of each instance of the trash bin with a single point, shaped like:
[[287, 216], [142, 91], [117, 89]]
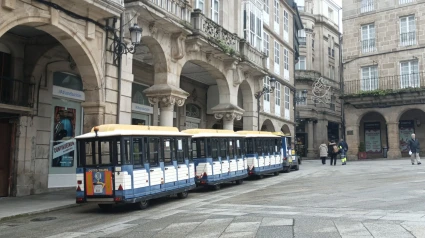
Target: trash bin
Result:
[[385, 151]]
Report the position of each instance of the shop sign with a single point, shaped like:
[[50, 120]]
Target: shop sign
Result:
[[69, 93], [141, 108]]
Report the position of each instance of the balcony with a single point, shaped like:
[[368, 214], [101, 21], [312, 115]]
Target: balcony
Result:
[[367, 6], [179, 9], [386, 91], [311, 76], [302, 40], [16, 92], [407, 39], [368, 46], [213, 35], [251, 54]]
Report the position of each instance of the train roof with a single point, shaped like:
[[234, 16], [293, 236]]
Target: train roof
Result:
[[279, 133], [127, 130], [198, 133], [256, 134]]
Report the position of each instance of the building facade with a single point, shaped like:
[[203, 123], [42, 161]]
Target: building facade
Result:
[[383, 76], [199, 65], [318, 119]]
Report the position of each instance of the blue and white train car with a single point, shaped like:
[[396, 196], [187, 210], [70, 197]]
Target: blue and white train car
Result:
[[132, 164], [218, 157], [263, 153], [289, 160]]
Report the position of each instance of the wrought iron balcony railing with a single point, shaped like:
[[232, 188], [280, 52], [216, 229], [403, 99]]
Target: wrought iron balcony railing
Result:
[[16, 92], [302, 40], [180, 9], [408, 38], [229, 42], [388, 83], [367, 6], [368, 45]]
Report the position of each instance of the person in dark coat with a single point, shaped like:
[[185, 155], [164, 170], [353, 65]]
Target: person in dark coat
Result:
[[414, 150], [333, 152]]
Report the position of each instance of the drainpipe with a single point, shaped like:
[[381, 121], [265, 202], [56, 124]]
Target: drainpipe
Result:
[[341, 75], [119, 70]]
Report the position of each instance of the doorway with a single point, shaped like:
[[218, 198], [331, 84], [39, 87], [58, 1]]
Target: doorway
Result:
[[5, 141]]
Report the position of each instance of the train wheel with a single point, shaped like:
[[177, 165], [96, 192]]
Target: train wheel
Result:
[[260, 176], [239, 181], [297, 167], [142, 204], [105, 207], [216, 187], [183, 195], [276, 173]]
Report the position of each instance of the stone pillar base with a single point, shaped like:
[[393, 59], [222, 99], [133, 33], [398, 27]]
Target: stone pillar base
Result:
[[393, 154]]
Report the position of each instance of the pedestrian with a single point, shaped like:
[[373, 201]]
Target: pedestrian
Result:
[[343, 148], [323, 151], [333, 152], [414, 150]]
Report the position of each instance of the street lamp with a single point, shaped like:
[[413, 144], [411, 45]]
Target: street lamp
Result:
[[121, 48], [259, 94]]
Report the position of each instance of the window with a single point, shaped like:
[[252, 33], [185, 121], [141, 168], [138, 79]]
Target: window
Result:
[[409, 74], [369, 79], [231, 148], [332, 104], [153, 151], [201, 148], [266, 47], [238, 148], [200, 5], [215, 10], [331, 72], [330, 14], [312, 43], [276, 57], [407, 31], [329, 51], [214, 149], [367, 6], [301, 65], [168, 150], [285, 25], [302, 97], [180, 154], [302, 38], [368, 38], [138, 152], [223, 148], [259, 144], [276, 16], [266, 6], [286, 59], [405, 1], [333, 53], [253, 24], [287, 100], [277, 99], [266, 84]]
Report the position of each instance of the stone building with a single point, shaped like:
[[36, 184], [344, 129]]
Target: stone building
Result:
[[383, 75], [199, 64], [318, 120]]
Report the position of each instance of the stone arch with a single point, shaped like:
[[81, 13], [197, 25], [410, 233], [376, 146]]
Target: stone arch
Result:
[[406, 109], [361, 115], [74, 43], [267, 125], [373, 121], [217, 75], [160, 63], [285, 129], [248, 96]]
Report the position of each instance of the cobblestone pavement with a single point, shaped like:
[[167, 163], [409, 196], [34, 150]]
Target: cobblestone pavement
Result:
[[363, 199]]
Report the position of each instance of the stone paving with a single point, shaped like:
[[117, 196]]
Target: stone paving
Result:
[[363, 199]]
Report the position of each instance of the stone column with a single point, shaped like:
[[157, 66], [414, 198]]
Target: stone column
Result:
[[155, 115], [352, 138], [166, 96], [320, 134], [94, 115], [393, 140], [227, 112], [310, 147]]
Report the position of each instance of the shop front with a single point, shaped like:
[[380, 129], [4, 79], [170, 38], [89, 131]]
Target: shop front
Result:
[[67, 118]]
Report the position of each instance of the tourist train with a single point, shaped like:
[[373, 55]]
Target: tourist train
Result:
[[134, 164]]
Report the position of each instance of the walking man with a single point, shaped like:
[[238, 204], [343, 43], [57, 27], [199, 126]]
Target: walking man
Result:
[[414, 149], [343, 146]]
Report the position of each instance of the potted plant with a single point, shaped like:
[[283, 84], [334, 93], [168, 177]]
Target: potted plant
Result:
[[362, 151]]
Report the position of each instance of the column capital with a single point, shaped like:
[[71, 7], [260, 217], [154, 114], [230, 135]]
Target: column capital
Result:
[[166, 95], [227, 112]]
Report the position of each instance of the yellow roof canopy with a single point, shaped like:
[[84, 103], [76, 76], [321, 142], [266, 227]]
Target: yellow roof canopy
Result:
[[121, 127]]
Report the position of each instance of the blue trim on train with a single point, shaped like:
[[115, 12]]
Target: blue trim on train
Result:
[[222, 176], [257, 170]]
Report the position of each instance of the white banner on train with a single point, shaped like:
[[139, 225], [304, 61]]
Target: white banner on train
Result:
[[63, 148]]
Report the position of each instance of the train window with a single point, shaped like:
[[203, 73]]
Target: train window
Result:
[[259, 144], [154, 151], [214, 149], [223, 148], [125, 152], [180, 150], [194, 149], [250, 149], [271, 146], [238, 148], [201, 149], [278, 145], [231, 148], [168, 150], [138, 152]]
